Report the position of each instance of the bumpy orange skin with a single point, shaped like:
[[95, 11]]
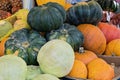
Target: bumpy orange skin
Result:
[[98, 69], [79, 70], [86, 56], [113, 48]]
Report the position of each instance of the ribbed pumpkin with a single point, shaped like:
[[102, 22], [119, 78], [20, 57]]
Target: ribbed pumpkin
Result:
[[27, 43], [41, 2], [85, 55], [2, 46], [46, 17], [98, 69], [108, 5], [110, 31], [94, 39], [113, 48], [79, 70], [68, 33], [84, 12]]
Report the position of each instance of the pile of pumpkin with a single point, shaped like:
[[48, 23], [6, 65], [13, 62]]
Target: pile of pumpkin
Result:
[[56, 38]]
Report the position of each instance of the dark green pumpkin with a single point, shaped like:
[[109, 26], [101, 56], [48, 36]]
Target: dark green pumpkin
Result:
[[108, 5], [27, 43], [47, 17], [68, 33], [84, 12]]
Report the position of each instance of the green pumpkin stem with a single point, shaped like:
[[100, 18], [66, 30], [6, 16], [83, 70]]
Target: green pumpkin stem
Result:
[[81, 50]]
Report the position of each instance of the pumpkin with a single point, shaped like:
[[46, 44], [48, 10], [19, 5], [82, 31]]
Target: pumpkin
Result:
[[56, 57], [5, 27], [108, 5], [94, 39], [113, 48], [46, 17], [27, 43], [2, 46], [79, 70], [68, 33], [110, 31], [98, 69], [84, 12], [85, 55], [41, 2]]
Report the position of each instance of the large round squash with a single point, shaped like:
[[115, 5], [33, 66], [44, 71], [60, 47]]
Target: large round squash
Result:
[[27, 43], [94, 39], [110, 31], [46, 17], [98, 69], [56, 57], [84, 12], [113, 48], [68, 33]]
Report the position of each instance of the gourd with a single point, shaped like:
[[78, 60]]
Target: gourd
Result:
[[79, 70], [68, 33], [84, 12], [46, 17], [12, 68], [110, 31], [113, 48], [27, 44], [108, 5], [94, 39], [5, 27], [98, 69], [85, 55], [56, 57], [2, 46]]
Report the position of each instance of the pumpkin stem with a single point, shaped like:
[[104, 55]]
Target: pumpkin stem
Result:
[[81, 50], [64, 31]]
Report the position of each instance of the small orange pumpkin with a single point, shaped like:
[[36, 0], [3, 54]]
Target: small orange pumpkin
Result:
[[79, 70], [98, 69], [2, 46], [94, 39], [85, 55], [113, 48]]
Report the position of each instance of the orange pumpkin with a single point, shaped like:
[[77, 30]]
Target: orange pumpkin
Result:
[[85, 55], [110, 31], [113, 48], [2, 46], [94, 39], [61, 2], [79, 70], [98, 69]]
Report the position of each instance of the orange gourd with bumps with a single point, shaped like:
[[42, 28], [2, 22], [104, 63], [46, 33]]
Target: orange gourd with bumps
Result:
[[85, 55], [98, 69], [79, 70], [94, 39], [113, 48]]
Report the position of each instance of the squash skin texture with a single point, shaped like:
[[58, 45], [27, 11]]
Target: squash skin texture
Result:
[[27, 43], [68, 33], [82, 13], [46, 17]]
